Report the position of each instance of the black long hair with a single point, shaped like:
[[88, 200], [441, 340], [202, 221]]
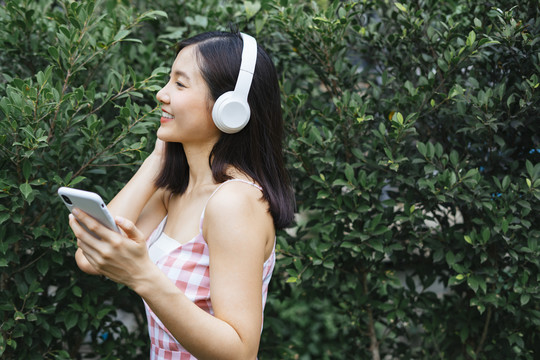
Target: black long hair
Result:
[[256, 150]]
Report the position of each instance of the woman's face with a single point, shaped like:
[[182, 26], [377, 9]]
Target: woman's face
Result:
[[187, 111]]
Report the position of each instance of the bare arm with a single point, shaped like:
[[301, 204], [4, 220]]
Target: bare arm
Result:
[[134, 196], [237, 228], [139, 201]]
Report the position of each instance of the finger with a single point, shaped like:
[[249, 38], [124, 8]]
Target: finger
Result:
[[85, 240], [92, 248], [90, 257], [85, 248], [129, 228], [84, 263], [159, 144], [94, 226], [80, 233]]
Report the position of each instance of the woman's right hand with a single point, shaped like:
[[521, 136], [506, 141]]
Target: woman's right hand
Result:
[[159, 148], [156, 158]]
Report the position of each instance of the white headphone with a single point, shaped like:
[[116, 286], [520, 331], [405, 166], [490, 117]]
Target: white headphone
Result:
[[231, 110]]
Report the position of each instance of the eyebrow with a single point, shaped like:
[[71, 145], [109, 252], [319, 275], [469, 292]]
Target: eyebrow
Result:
[[180, 73]]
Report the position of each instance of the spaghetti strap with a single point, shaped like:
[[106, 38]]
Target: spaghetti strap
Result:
[[216, 190]]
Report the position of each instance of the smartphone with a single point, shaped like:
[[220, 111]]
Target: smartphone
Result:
[[89, 202]]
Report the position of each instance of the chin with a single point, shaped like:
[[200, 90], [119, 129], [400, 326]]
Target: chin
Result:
[[164, 136]]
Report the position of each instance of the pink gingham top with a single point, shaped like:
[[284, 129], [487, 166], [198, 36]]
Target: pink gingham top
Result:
[[187, 265]]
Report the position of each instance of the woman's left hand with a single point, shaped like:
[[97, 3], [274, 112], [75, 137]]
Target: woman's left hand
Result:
[[121, 257]]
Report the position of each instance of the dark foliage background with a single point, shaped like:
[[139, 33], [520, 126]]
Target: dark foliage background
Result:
[[413, 143]]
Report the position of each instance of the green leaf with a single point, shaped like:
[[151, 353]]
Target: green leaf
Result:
[[442, 64], [532, 243], [483, 285], [101, 313], [77, 291], [430, 152], [530, 168], [454, 157], [471, 38], [77, 180], [315, 134], [27, 168], [505, 182], [71, 320], [42, 266], [26, 190], [252, 8], [399, 118], [349, 174], [328, 264], [121, 34], [377, 244], [450, 258], [454, 280], [486, 234], [154, 14], [472, 281], [421, 148], [401, 7], [340, 182], [138, 41]]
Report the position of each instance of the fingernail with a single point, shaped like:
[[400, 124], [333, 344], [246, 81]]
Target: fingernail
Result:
[[120, 220], [75, 211], [71, 216]]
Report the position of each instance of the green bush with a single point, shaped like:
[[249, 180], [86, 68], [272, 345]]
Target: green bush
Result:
[[412, 139], [76, 103], [414, 145]]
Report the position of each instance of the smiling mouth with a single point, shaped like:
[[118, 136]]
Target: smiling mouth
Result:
[[166, 115]]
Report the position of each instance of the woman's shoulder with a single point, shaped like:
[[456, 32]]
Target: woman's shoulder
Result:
[[236, 191], [236, 215], [237, 197]]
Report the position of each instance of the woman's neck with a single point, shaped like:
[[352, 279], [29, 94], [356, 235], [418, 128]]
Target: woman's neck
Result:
[[200, 173]]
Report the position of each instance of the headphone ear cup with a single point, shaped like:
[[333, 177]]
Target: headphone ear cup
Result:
[[230, 113]]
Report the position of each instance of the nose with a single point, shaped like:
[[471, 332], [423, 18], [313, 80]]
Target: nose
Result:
[[162, 95]]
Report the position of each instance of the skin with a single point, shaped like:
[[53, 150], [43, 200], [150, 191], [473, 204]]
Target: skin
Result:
[[237, 227]]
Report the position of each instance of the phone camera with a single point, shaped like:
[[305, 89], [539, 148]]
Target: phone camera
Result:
[[67, 200]]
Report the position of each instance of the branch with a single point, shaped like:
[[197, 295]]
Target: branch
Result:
[[52, 123], [484, 332], [116, 141], [374, 344]]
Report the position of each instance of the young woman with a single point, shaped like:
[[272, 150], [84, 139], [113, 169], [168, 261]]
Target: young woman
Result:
[[199, 217]]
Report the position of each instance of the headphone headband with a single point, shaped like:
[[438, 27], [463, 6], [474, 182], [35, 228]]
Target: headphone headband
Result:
[[247, 66], [231, 110]]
